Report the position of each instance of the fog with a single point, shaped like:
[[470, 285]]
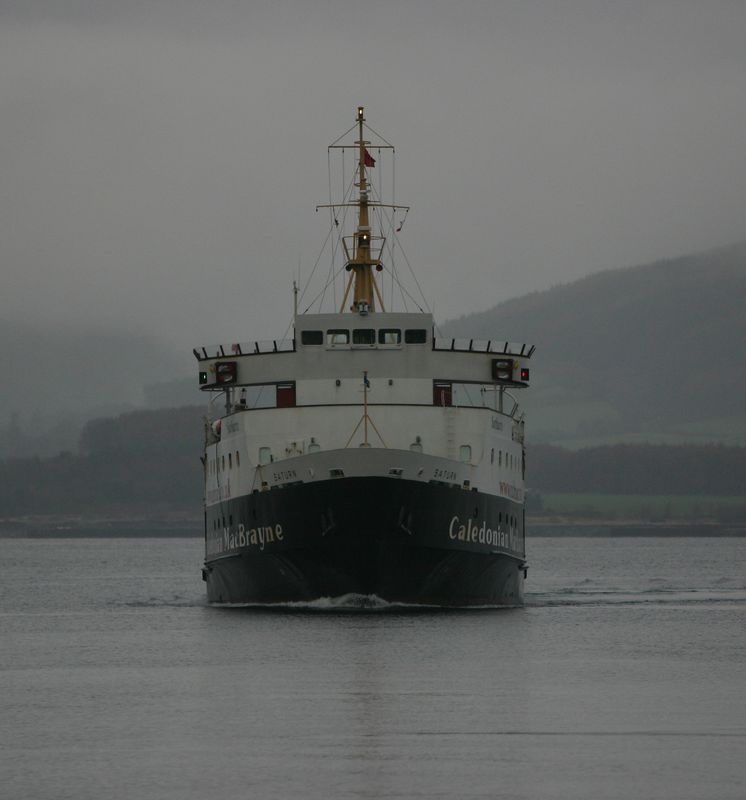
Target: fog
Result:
[[161, 161]]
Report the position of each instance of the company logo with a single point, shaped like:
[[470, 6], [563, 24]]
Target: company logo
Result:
[[258, 538], [474, 533]]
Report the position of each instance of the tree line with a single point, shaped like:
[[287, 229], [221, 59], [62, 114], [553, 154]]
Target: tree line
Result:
[[709, 469]]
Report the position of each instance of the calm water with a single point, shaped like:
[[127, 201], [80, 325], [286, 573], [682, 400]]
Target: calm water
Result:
[[624, 677]]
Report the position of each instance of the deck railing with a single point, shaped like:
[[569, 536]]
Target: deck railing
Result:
[[499, 347], [244, 349]]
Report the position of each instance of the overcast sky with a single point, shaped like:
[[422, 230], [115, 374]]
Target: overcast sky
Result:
[[160, 161]]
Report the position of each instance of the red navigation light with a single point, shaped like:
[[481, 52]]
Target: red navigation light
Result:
[[524, 374], [225, 372]]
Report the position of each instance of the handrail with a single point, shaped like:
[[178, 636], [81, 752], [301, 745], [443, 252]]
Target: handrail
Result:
[[244, 349], [483, 346], [288, 346]]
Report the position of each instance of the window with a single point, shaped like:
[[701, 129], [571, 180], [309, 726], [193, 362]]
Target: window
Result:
[[499, 458], [389, 336], [337, 336], [222, 464], [314, 447], [465, 453], [363, 336], [415, 336], [312, 337], [238, 459], [265, 455], [260, 396], [492, 456], [230, 460]]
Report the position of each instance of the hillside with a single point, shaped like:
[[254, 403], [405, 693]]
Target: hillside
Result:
[[647, 353], [57, 378], [139, 462]]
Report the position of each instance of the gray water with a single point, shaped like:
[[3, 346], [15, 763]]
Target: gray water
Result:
[[625, 676]]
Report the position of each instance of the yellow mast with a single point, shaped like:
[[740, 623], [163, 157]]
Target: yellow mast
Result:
[[361, 264], [362, 249]]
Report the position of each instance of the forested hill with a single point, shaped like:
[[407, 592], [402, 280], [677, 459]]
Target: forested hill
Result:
[[641, 352]]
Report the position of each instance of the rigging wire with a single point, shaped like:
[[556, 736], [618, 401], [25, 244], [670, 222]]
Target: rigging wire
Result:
[[349, 130], [404, 291], [375, 133], [321, 252], [393, 211], [331, 210]]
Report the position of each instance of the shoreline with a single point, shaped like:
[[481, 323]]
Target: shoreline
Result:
[[46, 527], [630, 528]]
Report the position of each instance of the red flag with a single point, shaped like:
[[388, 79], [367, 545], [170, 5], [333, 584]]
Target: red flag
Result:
[[369, 160]]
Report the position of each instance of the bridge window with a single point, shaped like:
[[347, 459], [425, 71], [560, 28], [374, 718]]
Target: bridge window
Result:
[[337, 336], [415, 336], [363, 336], [389, 336], [312, 337]]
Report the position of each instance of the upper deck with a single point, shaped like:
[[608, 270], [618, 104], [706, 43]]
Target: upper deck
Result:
[[394, 345]]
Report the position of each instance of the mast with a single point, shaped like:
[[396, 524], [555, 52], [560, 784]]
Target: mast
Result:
[[361, 264], [362, 249]]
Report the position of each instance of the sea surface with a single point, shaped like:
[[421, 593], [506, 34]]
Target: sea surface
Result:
[[623, 677]]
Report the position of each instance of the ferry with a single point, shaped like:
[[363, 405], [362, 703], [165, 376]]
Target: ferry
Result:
[[365, 459]]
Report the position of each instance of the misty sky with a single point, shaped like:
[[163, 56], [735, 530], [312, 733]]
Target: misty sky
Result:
[[161, 160]]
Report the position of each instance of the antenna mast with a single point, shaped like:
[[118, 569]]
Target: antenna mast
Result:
[[361, 251]]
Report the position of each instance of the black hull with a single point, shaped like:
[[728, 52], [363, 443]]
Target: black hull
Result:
[[400, 541]]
